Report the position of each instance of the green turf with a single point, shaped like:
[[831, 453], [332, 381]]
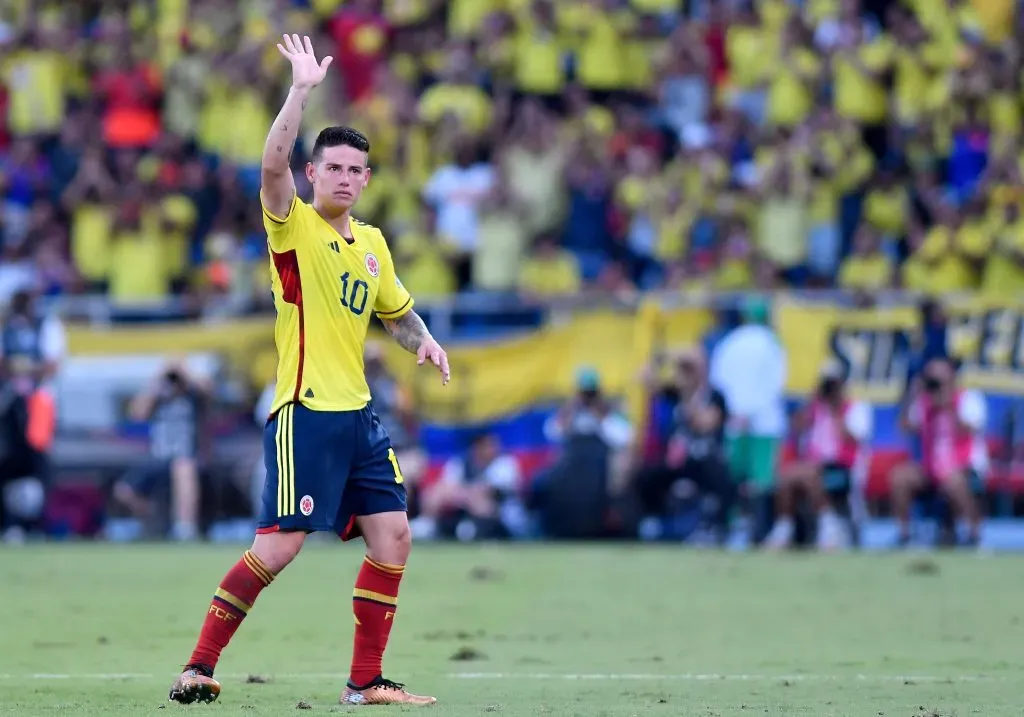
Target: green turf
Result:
[[586, 631]]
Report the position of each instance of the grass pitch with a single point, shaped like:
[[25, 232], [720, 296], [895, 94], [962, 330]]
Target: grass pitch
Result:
[[528, 630]]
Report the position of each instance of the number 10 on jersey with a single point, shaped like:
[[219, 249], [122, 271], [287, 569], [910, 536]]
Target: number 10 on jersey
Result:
[[356, 300]]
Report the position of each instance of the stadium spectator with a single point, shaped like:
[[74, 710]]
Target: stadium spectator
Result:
[[362, 34], [476, 497], [32, 342], [573, 497], [457, 191], [833, 431], [950, 422], [173, 408], [548, 270], [693, 467], [868, 269], [718, 146], [504, 235], [424, 256], [749, 366], [27, 429], [926, 95]]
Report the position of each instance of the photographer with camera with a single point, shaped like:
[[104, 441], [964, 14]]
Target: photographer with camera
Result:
[[173, 406], [694, 462], [833, 432], [949, 421], [574, 496], [27, 420]]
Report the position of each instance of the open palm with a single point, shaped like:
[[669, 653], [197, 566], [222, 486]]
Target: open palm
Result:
[[306, 71]]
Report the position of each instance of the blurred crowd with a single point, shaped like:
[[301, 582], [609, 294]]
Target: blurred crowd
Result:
[[523, 146]]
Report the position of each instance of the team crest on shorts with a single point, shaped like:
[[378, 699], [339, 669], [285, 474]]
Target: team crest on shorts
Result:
[[372, 265], [306, 505]]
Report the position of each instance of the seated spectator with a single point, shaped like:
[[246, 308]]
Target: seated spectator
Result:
[[833, 432], [476, 498], [574, 496], [694, 461], [950, 422], [172, 407]]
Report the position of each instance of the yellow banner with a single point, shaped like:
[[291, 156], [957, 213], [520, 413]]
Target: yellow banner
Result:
[[988, 336], [502, 378], [248, 344], [876, 343], [489, 380]]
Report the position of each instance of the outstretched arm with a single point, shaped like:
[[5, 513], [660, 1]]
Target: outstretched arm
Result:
[[278, 187], [411, 334]]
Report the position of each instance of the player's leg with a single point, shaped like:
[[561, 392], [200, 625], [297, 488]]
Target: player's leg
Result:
[[792, 478], [905, 481], [828, 488], [185, 491], [761, 480], [375, 507], [299, 494], [961, 494]]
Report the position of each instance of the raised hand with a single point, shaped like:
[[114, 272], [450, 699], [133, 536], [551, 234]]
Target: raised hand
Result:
[[307, 73]]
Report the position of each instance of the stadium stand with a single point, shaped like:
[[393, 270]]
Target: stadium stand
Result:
[[532, 158]]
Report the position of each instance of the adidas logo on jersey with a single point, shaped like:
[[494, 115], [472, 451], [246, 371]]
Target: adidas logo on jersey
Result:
[[335, 246], [309, 393]]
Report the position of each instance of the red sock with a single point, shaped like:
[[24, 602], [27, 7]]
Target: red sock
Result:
[[231, 602], [374, 602]]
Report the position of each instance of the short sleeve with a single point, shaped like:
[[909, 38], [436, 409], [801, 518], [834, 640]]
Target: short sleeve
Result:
[[617, 431], [972, 410], [282, 233], [53, 339], [503, 474], [859, 421], [453, 472], [393, 300]]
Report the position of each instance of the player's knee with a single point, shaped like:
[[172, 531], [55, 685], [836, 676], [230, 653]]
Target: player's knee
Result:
[[388, 538], [276, 550]]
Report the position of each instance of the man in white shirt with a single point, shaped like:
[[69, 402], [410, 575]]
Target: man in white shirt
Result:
[[749, 367], [457, 192]]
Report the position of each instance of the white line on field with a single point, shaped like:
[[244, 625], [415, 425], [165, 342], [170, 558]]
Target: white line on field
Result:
[[697, 677], [530, 676]]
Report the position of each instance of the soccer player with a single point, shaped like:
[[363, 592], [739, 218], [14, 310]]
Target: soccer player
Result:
[[330, 465]]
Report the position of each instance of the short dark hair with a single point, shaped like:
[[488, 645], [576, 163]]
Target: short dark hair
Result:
[[339, 137]]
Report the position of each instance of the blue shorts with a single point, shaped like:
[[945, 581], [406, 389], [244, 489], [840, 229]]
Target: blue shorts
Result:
[[324, 468]]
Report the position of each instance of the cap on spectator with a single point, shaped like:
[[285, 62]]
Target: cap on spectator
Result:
[[587, 379], [755, 310]]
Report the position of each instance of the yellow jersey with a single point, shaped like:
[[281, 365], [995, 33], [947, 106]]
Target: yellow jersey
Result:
[[325, 289]]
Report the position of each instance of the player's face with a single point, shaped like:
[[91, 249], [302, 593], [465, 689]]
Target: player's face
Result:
[[339, 177]]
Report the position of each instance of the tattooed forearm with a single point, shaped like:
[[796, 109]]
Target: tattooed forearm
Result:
[[281, 140], [409, 331]]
